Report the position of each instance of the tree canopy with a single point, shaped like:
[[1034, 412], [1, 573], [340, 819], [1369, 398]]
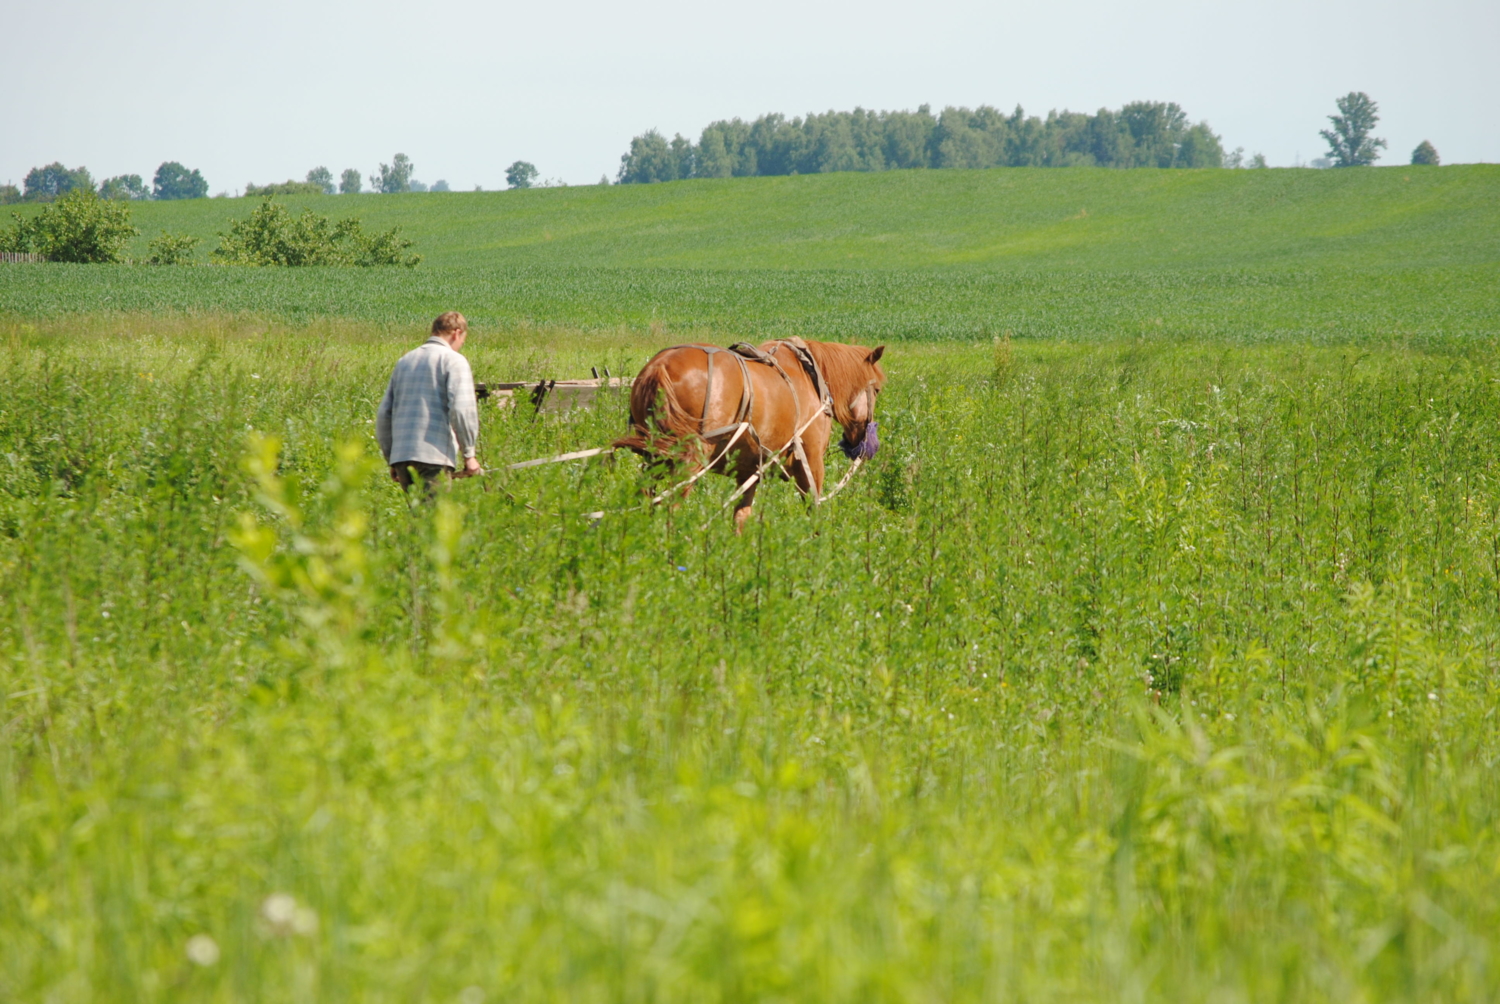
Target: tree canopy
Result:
[[1425, 153], [173, 181], [350, 182], [521, 174], [44, 184], [128, 187], [1141, 134], [395, 176], [1349, 141], [323, 178]]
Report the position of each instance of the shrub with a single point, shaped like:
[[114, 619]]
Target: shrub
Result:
[[272, 236], [79, 227], [172, 249], [288, 187]]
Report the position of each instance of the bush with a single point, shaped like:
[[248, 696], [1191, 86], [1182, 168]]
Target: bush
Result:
[[272, 236], [172, 249], [79, 227], [288, 187]]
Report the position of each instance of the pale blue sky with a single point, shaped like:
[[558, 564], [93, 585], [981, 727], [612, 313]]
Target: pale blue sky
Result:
[[265, 91]]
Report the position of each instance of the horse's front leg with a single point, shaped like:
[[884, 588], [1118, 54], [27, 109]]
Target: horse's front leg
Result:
[[807, 475]]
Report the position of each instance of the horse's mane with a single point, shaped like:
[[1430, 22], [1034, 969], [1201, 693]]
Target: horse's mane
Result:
[[846, 369]]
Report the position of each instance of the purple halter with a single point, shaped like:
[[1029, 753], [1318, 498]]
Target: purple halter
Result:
[[866, 447]]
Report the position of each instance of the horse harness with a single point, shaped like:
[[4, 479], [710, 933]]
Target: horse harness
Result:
[[741, 352]]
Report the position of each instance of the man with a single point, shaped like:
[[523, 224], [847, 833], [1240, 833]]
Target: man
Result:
[[428, 417]]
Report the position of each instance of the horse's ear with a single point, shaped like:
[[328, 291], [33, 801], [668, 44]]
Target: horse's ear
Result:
[[874, 357]]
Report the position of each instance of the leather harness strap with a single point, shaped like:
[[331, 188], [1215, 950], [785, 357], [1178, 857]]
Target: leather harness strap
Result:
[[740, 352]]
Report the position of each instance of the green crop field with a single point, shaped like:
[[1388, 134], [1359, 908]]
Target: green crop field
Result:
[[1082, 254], [1156, 656]]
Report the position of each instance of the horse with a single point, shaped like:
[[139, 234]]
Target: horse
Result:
[[742, 410]]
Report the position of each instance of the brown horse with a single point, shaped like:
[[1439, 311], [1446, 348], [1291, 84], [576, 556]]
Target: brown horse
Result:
[[749, 411]]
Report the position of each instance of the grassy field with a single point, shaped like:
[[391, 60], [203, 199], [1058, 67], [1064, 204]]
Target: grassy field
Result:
[[1081, 254], [1130, 671], [1155, 656]]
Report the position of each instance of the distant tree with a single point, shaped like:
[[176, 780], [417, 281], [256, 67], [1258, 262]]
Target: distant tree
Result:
[[1235, 158], [1349, 141], [416, 186], [604, 179], [171, 249], [521, 174], [440, 186], [395, 176], [173, 181], [128, 187], [1258, 161], [77, 227], [288, 187], [323, 178], [1425, 153], [272, 236], [44, 184], [350, 182], [9, 194]]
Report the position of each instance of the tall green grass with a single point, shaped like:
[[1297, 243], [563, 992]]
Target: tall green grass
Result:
[[1132, 670]]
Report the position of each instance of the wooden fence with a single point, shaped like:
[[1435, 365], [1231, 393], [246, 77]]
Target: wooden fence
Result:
[[20, 257]]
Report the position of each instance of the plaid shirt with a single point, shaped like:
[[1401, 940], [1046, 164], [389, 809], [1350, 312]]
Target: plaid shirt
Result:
[[429, 414]]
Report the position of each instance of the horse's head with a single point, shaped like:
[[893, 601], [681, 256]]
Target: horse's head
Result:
[[854, 379]]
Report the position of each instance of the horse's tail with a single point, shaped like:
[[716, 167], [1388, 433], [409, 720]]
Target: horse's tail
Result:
[[660, 424]]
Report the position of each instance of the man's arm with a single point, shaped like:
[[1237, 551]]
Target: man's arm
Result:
[[383, 419], [463, 413]]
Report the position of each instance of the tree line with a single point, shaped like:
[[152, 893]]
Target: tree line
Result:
[[53, 181], [1141, 134]]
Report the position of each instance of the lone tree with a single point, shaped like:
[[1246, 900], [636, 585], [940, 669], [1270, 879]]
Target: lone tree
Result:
[[350, 182], [520, 174], [173, 181], [395, 176], [1349, 141], [1425, 153], [323, 178]]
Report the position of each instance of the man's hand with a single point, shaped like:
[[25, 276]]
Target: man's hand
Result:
[[471, 468]]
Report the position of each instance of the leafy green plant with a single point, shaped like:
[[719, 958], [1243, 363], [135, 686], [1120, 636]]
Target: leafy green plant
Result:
[[272, 236], [172, 249], [79, 227]]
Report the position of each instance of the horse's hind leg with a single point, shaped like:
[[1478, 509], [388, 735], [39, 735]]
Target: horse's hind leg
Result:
[[746, 469]]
